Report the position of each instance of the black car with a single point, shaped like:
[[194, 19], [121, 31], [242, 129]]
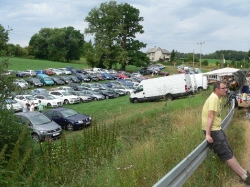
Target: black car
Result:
[[57, 81], [93, 78], [74, 79], [77, 87], [68, 118], [34, 82], [82, 77], [65, 78], [107, 94]]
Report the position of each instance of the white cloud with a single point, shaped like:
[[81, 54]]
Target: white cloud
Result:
[[168, 24]]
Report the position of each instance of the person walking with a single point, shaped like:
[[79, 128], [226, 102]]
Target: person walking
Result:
[[211, 126], [40, 106]]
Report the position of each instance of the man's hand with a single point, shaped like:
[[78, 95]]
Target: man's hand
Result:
[[209, 139]]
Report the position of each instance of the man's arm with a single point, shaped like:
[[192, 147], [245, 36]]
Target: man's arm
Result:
[[210, 120]]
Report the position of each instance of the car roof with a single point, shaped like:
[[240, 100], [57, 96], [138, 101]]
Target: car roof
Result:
[[59, 109], [27, 114]]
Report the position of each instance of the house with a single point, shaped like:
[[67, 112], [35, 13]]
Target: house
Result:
[[158, 54]]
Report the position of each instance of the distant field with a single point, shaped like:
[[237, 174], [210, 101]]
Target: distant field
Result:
[[24, 64]]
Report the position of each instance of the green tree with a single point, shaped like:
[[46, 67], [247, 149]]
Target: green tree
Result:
[[114, 28], [172, 55], [58, 44], [4, 37]]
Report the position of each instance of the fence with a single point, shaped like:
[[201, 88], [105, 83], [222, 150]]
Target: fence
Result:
[[181, 172]]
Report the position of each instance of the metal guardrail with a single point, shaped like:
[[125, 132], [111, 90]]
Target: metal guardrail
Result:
[[181, 172]]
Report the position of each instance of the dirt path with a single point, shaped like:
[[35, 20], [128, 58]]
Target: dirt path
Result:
[[246, 152]]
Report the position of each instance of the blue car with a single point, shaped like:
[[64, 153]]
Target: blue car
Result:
[[68, 118]]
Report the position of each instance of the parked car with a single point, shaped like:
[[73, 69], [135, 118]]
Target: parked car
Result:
[[82, 77], [45, 79], [74, 79], [30, 73], [83, 97], [93, 77], [49, 100], [57, 81], [95, 95], [107, 94], [68, 118], [38, 91], [21, 74], [48, 72], [125, 89], [13, 104], [65, 97], [65, 88], [40, 72], [56, 71], [34, 82], [21, 83], [77, 87], [65, 78], [23, 99], [89, 86], [42, 127], [107, 76], [65, 71]]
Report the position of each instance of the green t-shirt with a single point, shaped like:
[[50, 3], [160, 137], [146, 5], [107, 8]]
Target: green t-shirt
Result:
[[40, 106], [212, 103]]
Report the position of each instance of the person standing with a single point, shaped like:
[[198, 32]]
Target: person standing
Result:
[[211, 126], [40, 106], [32, 107], [26, 107]]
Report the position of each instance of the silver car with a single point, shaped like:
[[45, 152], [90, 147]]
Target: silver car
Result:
[[42, 128]]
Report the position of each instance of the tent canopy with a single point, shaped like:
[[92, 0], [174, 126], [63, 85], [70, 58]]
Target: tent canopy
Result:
[[222, 72]]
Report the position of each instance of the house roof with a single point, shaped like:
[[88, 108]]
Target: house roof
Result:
[[152, 50]]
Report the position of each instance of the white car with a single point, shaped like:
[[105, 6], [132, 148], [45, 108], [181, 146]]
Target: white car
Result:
[[65, 88], [23, 99], [21, 83], [65, 97], [83, 97], [49, 100], [56, 71], [30, 72], [65, 71], [13, 104]]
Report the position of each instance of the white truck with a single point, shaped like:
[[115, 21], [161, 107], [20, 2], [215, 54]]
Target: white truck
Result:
[[168, 87], [201, 81]]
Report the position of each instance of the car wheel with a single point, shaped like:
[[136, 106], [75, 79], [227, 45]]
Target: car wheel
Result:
[[199, 89], [95, 99], [81, 100], [127, 93], [66, 101], [35, 137], [117, 95], [169, 97], [70, 127], [48, 105], [135, 100], [107, 97]]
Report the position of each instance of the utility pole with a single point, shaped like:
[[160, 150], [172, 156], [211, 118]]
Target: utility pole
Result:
[[200, 43]]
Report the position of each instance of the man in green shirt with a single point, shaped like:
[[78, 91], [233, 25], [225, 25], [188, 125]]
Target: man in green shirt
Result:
[[211, 125]]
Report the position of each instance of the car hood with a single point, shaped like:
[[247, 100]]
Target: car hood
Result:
[[77, 117], [48, 126]]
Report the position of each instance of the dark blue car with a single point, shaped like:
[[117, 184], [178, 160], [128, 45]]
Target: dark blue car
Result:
[[68, 118]]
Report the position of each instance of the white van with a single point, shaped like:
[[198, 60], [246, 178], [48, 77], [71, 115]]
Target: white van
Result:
[[169, 87], [194, 83], [202, 81]]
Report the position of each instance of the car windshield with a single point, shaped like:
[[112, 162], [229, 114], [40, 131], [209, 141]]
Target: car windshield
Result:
[[47, 79], [9, 101], [36, 81], [66, 93], [50, 97], [30, 98], [55, 78], [68, 112], [39, 119]]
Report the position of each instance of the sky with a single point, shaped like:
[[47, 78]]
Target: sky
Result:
[[185, 26]]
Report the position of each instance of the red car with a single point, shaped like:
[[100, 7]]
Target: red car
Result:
[[122, 76]]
